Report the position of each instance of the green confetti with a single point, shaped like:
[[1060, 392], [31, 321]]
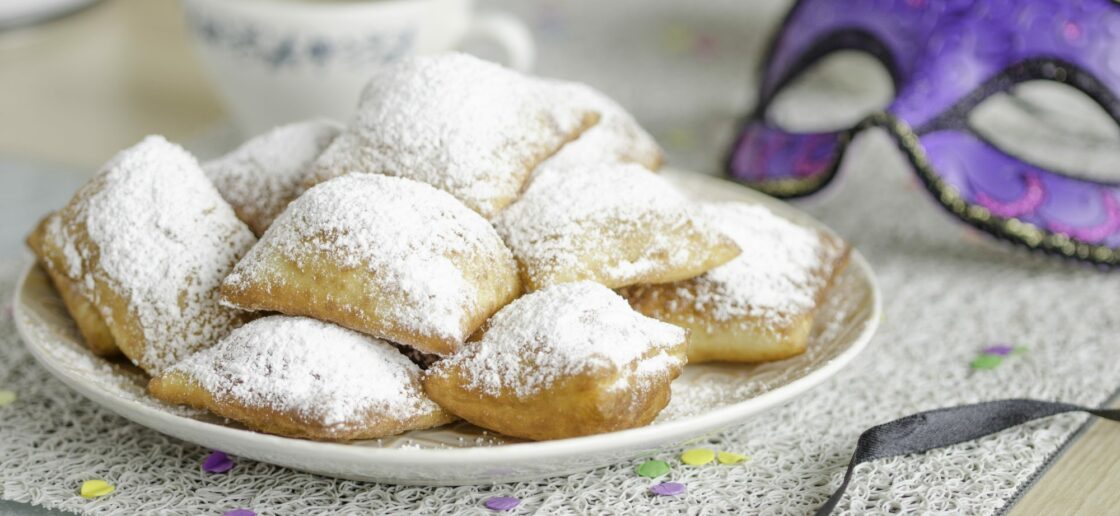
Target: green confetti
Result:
[[986, 362], [7, 397], [653, 468], [1018, 350]]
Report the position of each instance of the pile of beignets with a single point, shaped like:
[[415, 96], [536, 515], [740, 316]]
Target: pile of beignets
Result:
[[473, 244]]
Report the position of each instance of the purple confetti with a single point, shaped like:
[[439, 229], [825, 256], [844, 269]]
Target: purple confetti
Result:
[[501, 503], [999, 349], [217, 462], [667, 489], [239, 512]]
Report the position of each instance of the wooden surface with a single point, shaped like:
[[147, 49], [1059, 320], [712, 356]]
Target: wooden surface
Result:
[[78, 89], [1083, 480]]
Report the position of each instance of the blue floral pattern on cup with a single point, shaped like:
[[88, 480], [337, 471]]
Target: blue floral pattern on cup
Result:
[[278, 50]]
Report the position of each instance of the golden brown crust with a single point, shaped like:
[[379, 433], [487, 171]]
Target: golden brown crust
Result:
[[178, 388], [597, 263], [125, 334], [740, 339], [583, 404], [95, 333], [389, 257], [315, 286]]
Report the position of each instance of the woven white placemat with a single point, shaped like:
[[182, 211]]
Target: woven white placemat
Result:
[[948, 294]]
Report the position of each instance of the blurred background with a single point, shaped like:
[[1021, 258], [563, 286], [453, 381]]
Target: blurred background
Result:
[[78, 88]]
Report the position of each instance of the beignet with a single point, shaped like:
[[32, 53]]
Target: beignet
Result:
[[466, 126], [565, 361], [382, 255], [300, 377], [615, 224], [263, 175], [759, 306], [145, 245]]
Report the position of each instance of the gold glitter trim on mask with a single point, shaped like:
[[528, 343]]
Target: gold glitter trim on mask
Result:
[[1007, 228]]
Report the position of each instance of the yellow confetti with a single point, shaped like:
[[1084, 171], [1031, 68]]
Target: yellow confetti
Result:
[[730, 458], [680, 139], [7, 397], [678, 38], [96, 488], [698, 456]]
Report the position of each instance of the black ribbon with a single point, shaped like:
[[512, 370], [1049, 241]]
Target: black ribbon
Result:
[[926, 431]]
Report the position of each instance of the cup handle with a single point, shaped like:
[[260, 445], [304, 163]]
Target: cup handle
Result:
[[509, 32]]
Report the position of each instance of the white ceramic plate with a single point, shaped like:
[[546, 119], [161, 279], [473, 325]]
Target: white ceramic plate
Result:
[[706, 398]]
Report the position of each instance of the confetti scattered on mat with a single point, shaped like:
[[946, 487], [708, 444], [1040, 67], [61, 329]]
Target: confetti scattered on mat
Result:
[[239, 512], [95, 489], [653, 468], [986, 362], [698, 456], [501, 503], [217, 462], [730, 458], [999, 349], [667, 489], [992, 356]]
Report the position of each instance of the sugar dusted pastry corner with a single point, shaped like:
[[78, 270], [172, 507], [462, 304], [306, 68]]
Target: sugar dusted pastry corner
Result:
[[386, 256], [264, 174], [300, 377], [96, 335], [615, 138], [616, 224], [139, 252], [759, 306], [564, 361], [464, 125]]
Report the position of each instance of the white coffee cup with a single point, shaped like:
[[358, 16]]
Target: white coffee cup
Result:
[[277, 61]]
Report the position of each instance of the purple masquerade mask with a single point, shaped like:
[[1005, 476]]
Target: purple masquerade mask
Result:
[[945, 57]]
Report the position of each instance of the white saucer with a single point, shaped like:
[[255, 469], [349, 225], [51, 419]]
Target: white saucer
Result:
[[706, 398]]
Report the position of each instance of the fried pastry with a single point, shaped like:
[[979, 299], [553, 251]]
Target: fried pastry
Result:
[[95, 333], [565, 361], [759, 306], [139, 253], [300, 377], [264, 174], [615, 224], [466, 126], [615, 138], [382, 255]]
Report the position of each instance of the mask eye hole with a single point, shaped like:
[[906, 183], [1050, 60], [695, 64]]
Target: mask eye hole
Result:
[[1054, 126], [833, 94]]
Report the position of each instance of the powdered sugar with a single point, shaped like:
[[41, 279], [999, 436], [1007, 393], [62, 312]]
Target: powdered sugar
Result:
[[567, 215], [615, 138], [778, 275], [561, 331], [162, 238], [466, 126], [403, 231], [264, 174], [325, 373]]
